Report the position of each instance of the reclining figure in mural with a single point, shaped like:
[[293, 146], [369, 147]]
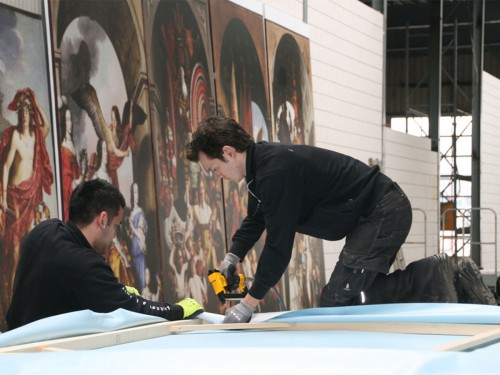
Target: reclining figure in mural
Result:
[[328, 195]]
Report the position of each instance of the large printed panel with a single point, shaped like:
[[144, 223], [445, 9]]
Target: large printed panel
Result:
[[290, 79], [240, 66], [242, 94], [104, 124], [190, 203], [292, 113], [26, 143]]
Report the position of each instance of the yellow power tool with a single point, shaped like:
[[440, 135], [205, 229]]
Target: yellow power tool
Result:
[[223, 290]]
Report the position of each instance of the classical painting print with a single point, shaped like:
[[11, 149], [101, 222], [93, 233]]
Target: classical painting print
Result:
[[26, 140], [190, 202], [240, 66], [290, 79], [242, 94], [103, 124], [292, 114]]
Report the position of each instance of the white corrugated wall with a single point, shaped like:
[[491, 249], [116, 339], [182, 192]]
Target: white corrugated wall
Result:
[[490, 169]]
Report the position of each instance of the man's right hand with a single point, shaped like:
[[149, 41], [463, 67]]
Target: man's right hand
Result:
[[240, 313], [228, 268]]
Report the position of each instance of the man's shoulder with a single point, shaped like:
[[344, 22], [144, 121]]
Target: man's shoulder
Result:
[[76, 257], [274, 157], [63, 237]]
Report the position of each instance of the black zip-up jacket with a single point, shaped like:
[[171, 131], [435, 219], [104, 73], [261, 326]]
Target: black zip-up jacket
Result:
[[305, 189], [59, 272]]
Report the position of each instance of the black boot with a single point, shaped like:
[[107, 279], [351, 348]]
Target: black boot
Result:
[[470, 284], [427, 280]]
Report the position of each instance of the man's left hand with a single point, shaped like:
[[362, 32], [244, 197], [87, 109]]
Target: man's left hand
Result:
[[240, 313], [190, 307]]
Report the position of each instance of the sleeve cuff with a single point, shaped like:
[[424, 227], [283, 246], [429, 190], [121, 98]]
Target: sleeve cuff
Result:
[[176, 312], [258, 290], [238, 252]]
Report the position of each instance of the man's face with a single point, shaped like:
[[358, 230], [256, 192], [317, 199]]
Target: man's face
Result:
[[228, 169], [26, 116], [69, 124], [109, 232]]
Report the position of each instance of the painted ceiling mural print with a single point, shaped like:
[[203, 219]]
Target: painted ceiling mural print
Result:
[[292, 114], [132, 81], [190, 202], [243, 94], [28, 183], [104, 126]]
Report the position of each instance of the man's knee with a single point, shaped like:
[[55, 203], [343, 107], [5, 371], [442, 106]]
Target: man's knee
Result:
[[345, 286]]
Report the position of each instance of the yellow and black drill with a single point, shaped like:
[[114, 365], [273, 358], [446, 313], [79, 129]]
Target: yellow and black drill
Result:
[[223, 290]]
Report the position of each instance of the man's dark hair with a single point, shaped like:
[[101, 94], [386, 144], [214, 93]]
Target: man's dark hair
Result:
[[92, 197], [213, 134]]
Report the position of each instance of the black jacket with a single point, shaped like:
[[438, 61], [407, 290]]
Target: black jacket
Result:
[[305, 189], [59, 272]]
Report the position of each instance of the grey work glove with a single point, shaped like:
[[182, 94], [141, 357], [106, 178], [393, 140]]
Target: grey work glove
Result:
[[228, 268], [240, 313]]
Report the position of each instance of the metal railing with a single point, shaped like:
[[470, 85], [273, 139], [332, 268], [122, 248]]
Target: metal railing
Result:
[[424, 242], [399, 261], [465, 237]]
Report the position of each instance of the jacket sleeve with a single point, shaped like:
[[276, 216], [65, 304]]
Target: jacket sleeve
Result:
[[281, 194], [100, 291], [247, 234]]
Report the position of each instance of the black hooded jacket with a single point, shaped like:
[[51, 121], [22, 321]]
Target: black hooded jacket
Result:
[[59, 272], [305, 189]]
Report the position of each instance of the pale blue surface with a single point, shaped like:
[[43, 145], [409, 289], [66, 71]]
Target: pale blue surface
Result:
[[292, 339], [266, 352], [402, 312], [74, 324]]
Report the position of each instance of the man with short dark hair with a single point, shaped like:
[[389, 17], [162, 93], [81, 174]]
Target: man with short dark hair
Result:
[[62, 269], [328, 195]]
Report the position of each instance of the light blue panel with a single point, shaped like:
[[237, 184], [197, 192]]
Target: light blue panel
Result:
[[251, 352], [291, 339], [87, 322], [399, 312], [75, 324], [222, 357]]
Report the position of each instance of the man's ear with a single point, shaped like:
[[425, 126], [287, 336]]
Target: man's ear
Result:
[[228, 150], [102, 219]]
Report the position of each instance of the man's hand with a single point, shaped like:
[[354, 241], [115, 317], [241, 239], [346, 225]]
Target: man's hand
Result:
[[190, 307], [241, 313], [132, 290], [228, 267]]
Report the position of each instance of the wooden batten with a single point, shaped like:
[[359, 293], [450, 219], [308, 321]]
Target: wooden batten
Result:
[[481, 334]]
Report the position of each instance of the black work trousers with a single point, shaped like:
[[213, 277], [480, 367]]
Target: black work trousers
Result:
[[370, 249]]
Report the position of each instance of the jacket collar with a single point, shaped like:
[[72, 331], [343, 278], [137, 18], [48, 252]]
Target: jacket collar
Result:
[[250, 163], [78, 234]]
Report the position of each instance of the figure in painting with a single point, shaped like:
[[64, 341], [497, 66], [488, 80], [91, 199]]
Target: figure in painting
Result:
[[72, 170], [119, 137], [147, 292], [26, 172], [116, 152], [138, 227], [98, 163]]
